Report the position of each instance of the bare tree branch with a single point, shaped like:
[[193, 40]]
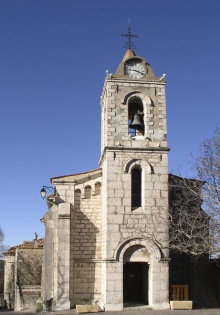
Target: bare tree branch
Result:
[[3, 248], [193, 212], [195, 230]]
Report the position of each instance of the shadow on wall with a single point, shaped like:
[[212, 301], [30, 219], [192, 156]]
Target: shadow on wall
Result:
[[85, 247]]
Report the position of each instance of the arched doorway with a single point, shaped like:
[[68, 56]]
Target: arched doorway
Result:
[[135, 275]]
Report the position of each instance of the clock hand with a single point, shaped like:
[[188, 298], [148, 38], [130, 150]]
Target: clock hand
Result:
[[138, 71]]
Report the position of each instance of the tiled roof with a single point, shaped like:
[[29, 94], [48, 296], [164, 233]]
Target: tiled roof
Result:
[[26, 244]]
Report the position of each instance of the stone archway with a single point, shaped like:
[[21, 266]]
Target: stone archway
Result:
[[135, 275], [143, 252]]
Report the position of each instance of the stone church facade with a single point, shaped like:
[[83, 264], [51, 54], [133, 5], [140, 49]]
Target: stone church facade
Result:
[[106, 230]]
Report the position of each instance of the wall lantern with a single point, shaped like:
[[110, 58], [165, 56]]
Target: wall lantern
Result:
[[44, 190]]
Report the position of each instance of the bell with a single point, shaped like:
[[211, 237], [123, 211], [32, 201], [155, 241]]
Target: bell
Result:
[[136, 123]]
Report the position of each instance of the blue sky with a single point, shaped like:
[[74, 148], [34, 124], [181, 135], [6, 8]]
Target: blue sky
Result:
[[53, 58]]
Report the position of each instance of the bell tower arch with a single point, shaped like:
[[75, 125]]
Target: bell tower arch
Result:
[[136, 116], [134, 195]]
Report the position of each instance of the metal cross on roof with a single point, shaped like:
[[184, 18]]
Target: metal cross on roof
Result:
[[129, 44]]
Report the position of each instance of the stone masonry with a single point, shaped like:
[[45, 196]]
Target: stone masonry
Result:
[[96, 243], [22, 278]]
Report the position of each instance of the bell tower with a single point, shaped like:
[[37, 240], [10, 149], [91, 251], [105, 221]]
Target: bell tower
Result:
[[134, 158], [133, 106]]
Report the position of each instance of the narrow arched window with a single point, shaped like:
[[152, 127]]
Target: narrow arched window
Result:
[[136, 188], [87, 192], [97, 189]]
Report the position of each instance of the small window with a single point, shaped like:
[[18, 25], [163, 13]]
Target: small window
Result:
[[97, 189], [87, 192], [136, 188]]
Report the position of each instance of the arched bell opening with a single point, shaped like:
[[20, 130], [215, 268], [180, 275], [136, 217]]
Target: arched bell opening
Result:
[[135, 276], [135, 116]]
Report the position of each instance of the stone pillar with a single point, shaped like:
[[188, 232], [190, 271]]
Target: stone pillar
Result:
[[19, 300], [48, 264], [62, 273], [9, 280], [114, 286], [159, 284]]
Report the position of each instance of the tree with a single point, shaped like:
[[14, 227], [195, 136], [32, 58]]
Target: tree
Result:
[[2, 246], [207, 166], [2, 250], [188, 222], [195, 230]]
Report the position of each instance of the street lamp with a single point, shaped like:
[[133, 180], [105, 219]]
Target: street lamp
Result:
[[44, 189]]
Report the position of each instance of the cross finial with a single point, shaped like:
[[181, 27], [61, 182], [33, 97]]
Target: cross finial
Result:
[[129, 44]]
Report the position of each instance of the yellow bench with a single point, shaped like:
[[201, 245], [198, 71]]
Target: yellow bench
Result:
[[93, 308]]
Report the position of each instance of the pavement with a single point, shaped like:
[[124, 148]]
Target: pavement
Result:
[[134, 311]]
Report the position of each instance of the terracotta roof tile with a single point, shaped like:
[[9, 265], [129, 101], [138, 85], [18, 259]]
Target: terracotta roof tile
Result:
[[26, 244]]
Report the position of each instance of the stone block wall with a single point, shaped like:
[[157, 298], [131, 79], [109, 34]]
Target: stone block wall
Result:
[[23, 272], [9, 284], [86, 226], [114, 104], [72, 242], [30, 294], [122, 225], [150, 220], [29, 265], [28, 270]]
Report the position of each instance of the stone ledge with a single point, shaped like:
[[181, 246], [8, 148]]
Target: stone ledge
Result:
[[93, 308], [181, 305]]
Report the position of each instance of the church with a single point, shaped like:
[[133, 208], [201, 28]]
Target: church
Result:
[[106, 230]]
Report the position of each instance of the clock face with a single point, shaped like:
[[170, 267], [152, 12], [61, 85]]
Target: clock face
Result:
[[135, 69]]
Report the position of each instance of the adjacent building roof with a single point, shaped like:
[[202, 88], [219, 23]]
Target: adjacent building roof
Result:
[[26, 245]]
